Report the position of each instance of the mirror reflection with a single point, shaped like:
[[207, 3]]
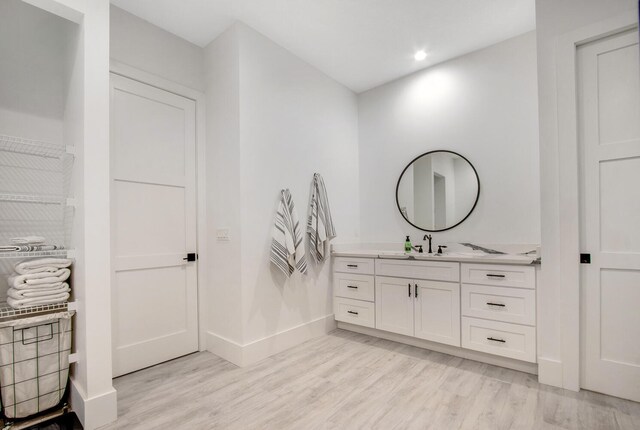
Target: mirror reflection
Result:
[[437, 191]]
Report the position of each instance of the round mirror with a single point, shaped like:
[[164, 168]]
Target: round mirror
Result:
[[437, 190]]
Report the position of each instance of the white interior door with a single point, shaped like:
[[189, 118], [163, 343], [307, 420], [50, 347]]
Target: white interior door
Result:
[[609, 132], [153, 208]]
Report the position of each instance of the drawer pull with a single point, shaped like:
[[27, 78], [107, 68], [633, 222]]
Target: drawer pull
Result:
[[352, 286], [496, 340], [355, 266], [496, 304], [409, 288], [492, 275], [415, 294], [356, 313]]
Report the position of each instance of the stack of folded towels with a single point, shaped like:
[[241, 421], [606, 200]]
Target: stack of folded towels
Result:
[[29, 244], [39, 282]]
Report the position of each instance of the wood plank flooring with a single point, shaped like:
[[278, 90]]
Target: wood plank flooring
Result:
[[347, 380]]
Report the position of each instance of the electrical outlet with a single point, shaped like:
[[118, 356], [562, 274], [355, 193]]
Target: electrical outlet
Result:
[[222, 235]]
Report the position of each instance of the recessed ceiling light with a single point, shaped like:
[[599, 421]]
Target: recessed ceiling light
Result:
[[420, 55]]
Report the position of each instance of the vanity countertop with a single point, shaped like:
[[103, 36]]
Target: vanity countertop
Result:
[[467, 253]]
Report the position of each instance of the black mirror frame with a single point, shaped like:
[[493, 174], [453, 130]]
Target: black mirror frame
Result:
[[474, 203]]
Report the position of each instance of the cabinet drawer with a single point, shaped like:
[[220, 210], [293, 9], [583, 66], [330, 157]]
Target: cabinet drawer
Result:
[[430, 270], [499, 275], [354, 311], [514, 305], [499, 338], [364, 266], [354, 286]]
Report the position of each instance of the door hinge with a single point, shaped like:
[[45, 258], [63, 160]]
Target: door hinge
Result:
[[192, 256], [585, 258]]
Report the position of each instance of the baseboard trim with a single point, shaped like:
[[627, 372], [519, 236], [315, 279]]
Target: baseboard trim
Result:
[[96, 411], [550, 372], [253, 352], [509, 363]]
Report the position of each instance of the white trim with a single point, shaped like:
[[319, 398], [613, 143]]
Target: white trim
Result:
[[96, 411], [147, 78], [568, 187], [495, 360], [253, 352], [550, 371]]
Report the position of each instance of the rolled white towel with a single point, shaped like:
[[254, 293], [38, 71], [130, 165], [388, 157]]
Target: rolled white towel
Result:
[[42, 265], [37, 301], [41, 279], [41, 293], [28, 240]]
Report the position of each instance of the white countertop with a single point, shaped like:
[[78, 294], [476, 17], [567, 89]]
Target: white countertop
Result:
[[509, 254]]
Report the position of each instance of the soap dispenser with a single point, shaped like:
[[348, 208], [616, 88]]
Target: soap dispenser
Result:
[[407, 245]]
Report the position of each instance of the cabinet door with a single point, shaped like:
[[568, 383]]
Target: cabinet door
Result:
[[437, 311], [394, 305]]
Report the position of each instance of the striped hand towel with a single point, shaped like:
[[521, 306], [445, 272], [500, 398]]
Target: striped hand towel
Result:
[[287, 246], [319, 223]]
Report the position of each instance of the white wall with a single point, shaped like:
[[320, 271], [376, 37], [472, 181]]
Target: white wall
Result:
[[294, 121], [482, 105], [142, 45], [554, 19], [273, 121], [224, 306]]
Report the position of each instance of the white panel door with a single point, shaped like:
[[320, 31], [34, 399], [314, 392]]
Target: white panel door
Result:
[[394, 305], [609, 131], [153, 208], [437, 311]]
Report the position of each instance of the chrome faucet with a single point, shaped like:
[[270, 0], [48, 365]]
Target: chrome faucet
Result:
[[428, 236]]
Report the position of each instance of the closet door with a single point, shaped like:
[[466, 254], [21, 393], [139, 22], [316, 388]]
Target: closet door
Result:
[[609, 126], [153, 208]]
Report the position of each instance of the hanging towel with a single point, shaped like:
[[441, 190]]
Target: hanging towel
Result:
[[28, 240], [42, 265], [40, 279], [287, 246], [319, 222]]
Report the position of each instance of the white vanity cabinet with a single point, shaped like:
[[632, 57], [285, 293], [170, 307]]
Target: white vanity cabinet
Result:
[[419, 299], [353, 291], [499, 310], [489, 308]]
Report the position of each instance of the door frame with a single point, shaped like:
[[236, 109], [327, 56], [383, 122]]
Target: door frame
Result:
[[568, 188], [124, 70]]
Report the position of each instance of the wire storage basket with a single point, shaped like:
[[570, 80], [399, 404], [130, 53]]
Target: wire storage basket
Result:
[[34, 363]]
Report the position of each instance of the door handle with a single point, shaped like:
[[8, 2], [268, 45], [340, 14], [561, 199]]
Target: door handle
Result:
[[415, 294], [192, 256], [409, 288]]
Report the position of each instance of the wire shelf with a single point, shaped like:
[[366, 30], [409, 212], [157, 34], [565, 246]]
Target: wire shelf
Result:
[[7, 312], [57, 253], [25, 198], [31, 147]]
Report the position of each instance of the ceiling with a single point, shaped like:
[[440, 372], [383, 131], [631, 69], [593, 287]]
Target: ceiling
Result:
[[360, 43]]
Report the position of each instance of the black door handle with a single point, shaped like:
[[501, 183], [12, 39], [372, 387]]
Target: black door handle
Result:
[[192, 256], [409, 288], [415, 294]]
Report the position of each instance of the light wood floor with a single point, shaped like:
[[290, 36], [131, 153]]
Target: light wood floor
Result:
[[346, 380]]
